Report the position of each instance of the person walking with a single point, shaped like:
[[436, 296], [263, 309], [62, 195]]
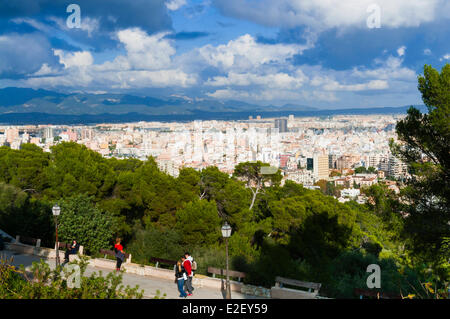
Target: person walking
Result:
[[187, 264], [180, 277], [120, 254], [71, 250]]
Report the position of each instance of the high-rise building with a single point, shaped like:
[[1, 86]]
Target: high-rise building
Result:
[[11, 134], [87, 134], [48, 133], [383, 165], [320, 168], [396, 167], [332, 159], [309, 164], [281, 124]]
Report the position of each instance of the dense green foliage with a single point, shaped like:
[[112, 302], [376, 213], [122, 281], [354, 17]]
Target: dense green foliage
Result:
[[289, 231], [362, 169], [425, 147], [43, 283], [21, 214], [84, 222]]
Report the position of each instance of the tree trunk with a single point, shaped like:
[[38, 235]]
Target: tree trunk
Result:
[[254, 197]]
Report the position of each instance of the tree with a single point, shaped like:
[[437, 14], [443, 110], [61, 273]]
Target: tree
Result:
[[256, 177], [199, 223], [360, 170], [76, 169], [156, 242], [21, 215], [80, 220], [371, 169], [424, 146], [24, 168], [212, 180], [322, 184], [334, 173]]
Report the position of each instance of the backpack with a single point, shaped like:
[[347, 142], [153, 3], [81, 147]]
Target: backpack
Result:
[[194, 265]]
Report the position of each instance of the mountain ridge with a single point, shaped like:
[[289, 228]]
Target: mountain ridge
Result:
[[24, 105]]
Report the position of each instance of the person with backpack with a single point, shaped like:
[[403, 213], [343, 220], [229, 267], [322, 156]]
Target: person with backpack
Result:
[[180, 277], [190, 265], [120, 254]]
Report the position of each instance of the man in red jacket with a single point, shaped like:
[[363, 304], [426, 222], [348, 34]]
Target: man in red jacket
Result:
[[188, 267]]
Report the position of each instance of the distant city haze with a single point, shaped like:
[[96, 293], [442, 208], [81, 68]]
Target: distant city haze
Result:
[[306, 149]]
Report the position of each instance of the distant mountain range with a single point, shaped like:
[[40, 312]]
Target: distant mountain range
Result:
[[29, 106]]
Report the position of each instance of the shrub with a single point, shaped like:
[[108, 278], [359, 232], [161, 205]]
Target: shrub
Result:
[[80, 220], [52, 284]]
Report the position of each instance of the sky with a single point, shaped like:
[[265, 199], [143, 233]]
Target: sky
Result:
[[321, 53]]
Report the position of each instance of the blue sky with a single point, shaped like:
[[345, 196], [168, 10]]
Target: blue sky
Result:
[[321, 53]]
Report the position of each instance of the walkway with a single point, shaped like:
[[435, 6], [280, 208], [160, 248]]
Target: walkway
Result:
[[149, 284]]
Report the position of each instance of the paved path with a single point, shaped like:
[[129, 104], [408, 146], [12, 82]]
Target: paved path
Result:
[[149, 284]]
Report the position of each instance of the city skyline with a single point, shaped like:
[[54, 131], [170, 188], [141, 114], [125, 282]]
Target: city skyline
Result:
[[306, 150]]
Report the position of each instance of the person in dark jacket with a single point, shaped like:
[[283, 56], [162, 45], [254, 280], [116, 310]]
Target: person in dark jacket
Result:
[[180, 277], [120, 254], [71, 250]]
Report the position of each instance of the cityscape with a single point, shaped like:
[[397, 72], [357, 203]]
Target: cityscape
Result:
[[305, 149]]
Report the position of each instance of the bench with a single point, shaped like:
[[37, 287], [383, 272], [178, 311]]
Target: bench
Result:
[[223, 272], [375, 293], [280, 292], [158, 261], [65, 246], [107, 252]]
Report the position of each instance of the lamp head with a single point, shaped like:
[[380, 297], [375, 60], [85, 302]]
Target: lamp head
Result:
[[226, 230], [56, 210]]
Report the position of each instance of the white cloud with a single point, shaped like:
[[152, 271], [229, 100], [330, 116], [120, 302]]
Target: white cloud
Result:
[[142, 79], [146, 52], [239, 69], [372, 85], [427, 52], [245, 53], [390, 69], [275, 80], [44, 70], [401, 51], [445, 57], [147, 63], [255, 95], [272, 95], [173, 5], [326, 14], [89, 25], [75, 59]]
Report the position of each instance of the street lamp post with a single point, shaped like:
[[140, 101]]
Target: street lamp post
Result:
[[56, 211], [226, 233]]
